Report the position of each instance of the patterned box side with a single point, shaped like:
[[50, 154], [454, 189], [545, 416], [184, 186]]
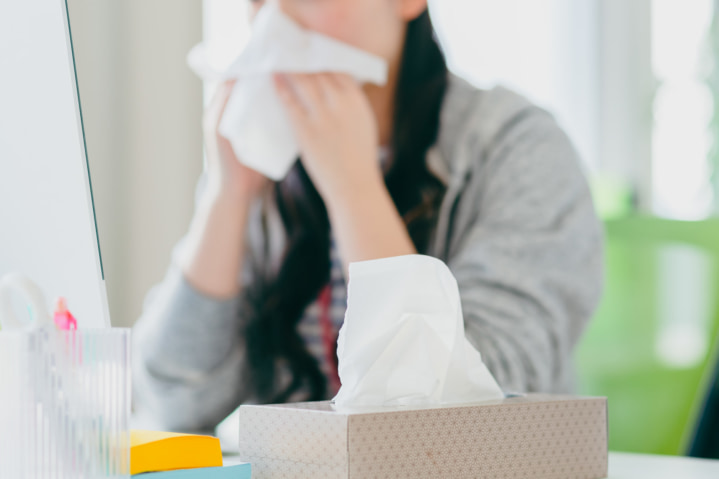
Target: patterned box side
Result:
[[532, 437], [265, 468], [293, 443]]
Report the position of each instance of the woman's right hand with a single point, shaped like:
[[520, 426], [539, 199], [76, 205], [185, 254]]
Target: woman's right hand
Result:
[[227, 176]]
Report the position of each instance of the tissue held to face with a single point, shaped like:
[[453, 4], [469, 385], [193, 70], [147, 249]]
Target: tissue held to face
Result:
[[337, 127], [376, 26]]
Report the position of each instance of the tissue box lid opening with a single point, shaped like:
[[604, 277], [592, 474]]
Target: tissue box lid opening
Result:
[[327, 407]]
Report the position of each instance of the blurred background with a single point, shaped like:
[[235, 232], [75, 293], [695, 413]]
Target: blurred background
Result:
[[634, 83]]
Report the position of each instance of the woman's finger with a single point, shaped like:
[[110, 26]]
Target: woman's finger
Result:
[[288, 96], [329, 88], [225, 93], [344, 81], [346, 85], [336, 80], [216, 108], [308, 91]]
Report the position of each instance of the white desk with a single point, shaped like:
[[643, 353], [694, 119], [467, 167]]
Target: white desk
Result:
[[632, 466], [638, 466]]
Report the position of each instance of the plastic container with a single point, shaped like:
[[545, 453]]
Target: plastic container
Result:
[[64, 403]]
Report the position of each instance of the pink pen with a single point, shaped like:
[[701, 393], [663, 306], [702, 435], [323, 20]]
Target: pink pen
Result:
[[64, 320]]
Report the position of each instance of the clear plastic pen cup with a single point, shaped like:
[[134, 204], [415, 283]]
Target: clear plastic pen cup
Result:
[[64, 404]]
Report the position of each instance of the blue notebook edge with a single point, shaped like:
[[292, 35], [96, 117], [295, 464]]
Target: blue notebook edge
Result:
[[239, 471]]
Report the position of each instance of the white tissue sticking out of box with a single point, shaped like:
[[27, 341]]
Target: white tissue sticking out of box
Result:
[[255, 121], [403, 340]]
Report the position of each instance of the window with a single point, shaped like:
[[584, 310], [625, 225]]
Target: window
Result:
[[681, 139]]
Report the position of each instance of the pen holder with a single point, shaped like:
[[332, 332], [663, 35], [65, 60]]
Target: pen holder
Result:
[[64, 403]]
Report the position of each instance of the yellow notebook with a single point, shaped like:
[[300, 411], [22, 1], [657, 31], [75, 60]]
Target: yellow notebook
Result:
[[152, 451]]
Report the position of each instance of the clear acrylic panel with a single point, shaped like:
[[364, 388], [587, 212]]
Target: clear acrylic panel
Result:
[[65, 404]]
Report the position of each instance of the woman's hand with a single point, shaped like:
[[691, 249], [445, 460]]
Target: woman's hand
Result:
[[227, 176], [336, 129], [338, 136]]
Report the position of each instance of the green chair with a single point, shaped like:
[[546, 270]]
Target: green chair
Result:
[[653, 339]]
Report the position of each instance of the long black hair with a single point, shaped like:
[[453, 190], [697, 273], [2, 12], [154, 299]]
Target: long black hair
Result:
[[275, 304]]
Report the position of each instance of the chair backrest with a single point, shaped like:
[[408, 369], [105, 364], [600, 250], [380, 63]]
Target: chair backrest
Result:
[[705, 440], [649, 348]]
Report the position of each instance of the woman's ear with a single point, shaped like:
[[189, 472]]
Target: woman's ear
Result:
[[411, 9]]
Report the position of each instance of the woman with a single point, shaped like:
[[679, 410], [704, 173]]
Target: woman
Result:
[[483, 180]]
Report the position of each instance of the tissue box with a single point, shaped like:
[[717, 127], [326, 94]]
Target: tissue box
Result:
[[538, 436]]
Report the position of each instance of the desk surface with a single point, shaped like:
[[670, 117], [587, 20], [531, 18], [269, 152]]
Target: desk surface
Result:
[[634, 466], [631, 466]]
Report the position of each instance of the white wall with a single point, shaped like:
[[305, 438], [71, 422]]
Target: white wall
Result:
[[142, 109]]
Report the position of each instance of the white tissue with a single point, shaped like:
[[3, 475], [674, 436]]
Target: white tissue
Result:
[[403, 341], [255, 121]]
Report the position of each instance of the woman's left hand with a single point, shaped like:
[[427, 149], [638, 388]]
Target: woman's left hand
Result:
[[337, 132]]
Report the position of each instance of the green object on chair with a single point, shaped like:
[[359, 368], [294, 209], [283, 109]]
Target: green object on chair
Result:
[[652, 340]]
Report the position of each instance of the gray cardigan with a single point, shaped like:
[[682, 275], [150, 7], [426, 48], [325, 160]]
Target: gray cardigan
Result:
[[516, 227]]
